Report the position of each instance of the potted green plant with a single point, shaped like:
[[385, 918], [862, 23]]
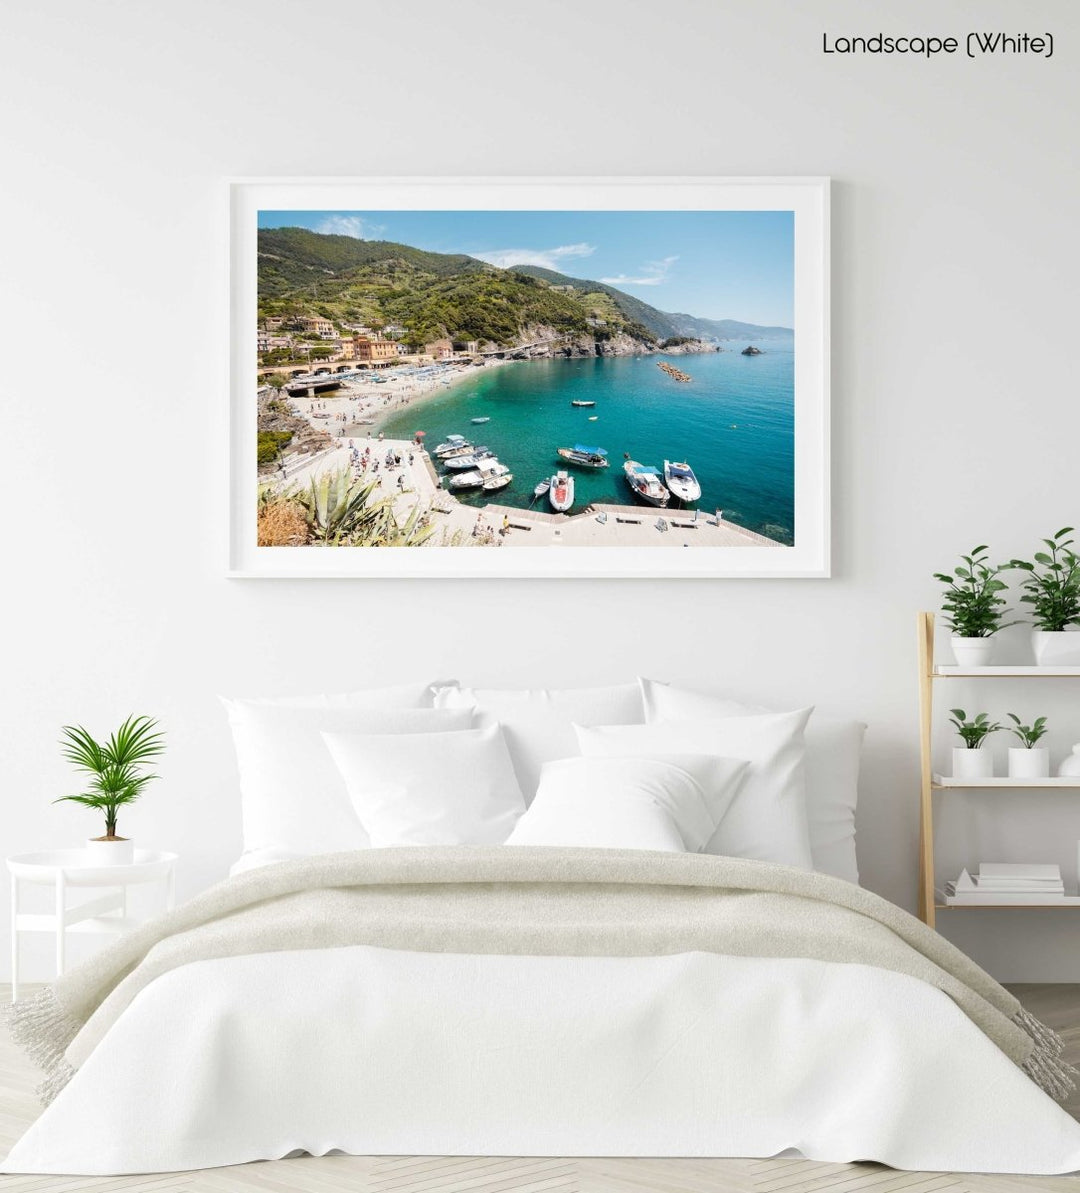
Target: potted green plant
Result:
[[117, 778], [970, 761], [1052, 589], [973, 607], [1029, 760]]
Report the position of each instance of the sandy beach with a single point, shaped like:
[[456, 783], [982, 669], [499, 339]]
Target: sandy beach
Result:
[[404, 471]]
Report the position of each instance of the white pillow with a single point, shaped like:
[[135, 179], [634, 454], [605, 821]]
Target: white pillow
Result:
[[431, 788], [539, 722], [672, 803], [833, 750], [767, 818], [292, 796]]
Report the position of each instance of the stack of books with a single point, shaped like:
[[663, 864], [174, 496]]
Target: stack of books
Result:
[[1008, 882]]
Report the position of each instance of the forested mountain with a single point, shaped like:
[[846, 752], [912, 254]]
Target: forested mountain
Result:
[[378, 283]]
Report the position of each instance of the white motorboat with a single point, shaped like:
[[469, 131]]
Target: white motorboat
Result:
[[466, 449], [561, 492], [646, 483], [583, 457], [682, 482], [471, 459], [493, 483], [452, 441], [478, 478], [486, 419], [541, 489]]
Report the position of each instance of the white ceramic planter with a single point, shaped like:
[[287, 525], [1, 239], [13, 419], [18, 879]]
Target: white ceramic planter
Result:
[[1029, 764], [1056, 648], [972, 652], [972, 764], [120, 852]]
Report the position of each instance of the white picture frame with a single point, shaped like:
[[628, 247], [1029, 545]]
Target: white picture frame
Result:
[[806, 197]]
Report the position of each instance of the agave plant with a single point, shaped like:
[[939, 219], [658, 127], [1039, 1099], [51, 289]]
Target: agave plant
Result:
[[341, 512], [115, 766]]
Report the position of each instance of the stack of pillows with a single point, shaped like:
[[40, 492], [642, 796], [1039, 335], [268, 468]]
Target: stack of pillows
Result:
[[646, 765]]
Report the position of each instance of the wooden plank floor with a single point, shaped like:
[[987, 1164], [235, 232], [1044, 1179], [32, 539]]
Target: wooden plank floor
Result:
[[1058, 1006]]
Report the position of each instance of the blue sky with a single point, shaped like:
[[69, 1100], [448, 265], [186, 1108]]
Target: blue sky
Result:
[[713, 264]]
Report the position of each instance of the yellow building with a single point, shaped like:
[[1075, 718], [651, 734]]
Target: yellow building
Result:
[[374, 348]]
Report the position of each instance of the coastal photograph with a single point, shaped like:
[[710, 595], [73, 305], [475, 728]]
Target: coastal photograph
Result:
[[520, 379]]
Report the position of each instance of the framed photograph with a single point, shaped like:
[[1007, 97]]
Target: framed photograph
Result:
[[529, 377]]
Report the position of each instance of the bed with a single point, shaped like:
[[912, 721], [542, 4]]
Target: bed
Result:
[[547, 930]]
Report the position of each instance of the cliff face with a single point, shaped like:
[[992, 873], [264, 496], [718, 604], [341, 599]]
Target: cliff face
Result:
[[537, 342], [274, 417], [689, 349]]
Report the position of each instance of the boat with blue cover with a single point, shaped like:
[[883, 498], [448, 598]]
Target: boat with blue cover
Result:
[[646, 483]]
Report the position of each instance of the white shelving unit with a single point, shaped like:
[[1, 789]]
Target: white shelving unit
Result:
[[929, 674], [1017, 784]]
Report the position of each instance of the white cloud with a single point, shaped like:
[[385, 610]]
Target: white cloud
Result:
[[348, 225], [656, 272], [545, 258]]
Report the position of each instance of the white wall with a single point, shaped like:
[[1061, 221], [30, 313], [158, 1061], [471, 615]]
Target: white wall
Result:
[[956, 417]]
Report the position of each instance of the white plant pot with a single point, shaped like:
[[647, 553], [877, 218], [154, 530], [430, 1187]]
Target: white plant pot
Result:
[[972, 652], [1029, 764], [972, 764], [120, 852], [1056, 648]]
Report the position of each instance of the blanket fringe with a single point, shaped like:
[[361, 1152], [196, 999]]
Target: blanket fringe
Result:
[[1046, 1065], [43, 1030]]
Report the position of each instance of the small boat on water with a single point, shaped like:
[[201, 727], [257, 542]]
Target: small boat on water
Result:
[[477, 421], [541, 489], [471, 459], [561, 492], [466, 449], [500, 481], [593, 417], [645, 481], [584, 457], [682, 482], [576, 402], [478, 478], [452, 441]]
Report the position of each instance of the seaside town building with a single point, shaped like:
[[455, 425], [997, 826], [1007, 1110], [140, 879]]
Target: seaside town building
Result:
[[440, 349], [314, 325], [374, 348]]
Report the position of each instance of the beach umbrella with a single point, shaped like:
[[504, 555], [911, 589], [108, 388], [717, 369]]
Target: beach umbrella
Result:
[[420, 434]]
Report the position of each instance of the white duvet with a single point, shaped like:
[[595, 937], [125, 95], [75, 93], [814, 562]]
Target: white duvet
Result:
[[375, 1051]]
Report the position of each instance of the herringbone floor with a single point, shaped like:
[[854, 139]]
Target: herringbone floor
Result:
[[1057, 1005]]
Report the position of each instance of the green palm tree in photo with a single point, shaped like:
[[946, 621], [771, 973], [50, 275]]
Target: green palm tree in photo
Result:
[[115, 766]]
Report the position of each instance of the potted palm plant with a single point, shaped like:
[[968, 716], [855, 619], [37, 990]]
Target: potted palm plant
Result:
[[117, 778], [1029, 760], [973, 607], [1052, 589], [970, 761]]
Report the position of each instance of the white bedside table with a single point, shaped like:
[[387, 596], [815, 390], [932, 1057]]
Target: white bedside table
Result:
[[64, 869]]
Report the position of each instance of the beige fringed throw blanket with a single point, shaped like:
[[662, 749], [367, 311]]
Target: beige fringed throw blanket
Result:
[[526, 901]]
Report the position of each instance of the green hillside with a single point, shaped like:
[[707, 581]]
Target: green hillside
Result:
[[435, 295], [430, 294], [631, 308]]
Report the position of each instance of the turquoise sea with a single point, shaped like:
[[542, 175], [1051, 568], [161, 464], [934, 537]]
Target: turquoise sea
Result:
[[734, 423]]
